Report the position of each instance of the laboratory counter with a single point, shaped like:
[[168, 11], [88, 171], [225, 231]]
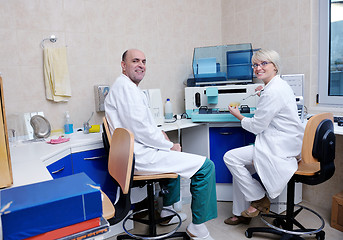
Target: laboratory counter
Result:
[[29, 159]]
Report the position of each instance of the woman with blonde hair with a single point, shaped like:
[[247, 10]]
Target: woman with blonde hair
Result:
[[273, 156]]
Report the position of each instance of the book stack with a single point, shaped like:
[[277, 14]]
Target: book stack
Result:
[[78, 231], [52, 209]]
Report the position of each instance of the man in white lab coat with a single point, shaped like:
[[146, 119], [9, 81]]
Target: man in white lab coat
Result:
[[279, 134], [126, 106]]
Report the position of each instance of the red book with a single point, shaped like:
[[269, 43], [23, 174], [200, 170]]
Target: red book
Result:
[[68, 230]]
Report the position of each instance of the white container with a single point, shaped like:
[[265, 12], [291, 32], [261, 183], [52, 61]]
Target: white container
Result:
[[168, 110]]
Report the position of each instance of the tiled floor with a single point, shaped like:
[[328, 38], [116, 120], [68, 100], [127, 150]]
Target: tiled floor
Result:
[[221, 231]]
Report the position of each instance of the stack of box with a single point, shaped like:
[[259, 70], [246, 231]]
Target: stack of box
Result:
[[337, 211], [51, 209]]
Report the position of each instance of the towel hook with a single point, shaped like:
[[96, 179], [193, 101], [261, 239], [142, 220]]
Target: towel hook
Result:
[[52, 39]]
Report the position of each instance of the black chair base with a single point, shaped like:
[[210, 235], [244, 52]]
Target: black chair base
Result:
[[287, 226], [284, 236], [152, 221], [182, 235]]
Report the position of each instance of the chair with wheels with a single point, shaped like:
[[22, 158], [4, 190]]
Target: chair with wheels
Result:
[[120, 167], [151, 221], [316, 166]]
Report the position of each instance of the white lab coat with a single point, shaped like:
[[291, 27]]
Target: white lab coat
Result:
[[127, 106], [279, 134]]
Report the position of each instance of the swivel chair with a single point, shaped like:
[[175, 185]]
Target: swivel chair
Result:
[[316, 166], [150, 180], [120, 167]]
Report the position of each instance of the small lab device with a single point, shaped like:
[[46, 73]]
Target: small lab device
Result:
[[100, 93], [155, 104], [210, 104], [296, 82]]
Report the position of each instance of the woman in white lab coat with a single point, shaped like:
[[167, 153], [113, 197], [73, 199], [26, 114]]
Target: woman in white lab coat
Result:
[[126, 106], [279, 134]]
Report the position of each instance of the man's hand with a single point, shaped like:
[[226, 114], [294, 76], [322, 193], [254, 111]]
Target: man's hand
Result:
[[176, 147]]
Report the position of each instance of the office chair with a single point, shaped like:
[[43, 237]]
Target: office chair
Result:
[[120, 167], [152, 221], [316, 166]]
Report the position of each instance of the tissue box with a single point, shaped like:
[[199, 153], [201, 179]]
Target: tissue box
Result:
[[41, 207]]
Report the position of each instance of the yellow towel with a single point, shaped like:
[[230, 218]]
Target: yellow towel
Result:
[[56, 74]]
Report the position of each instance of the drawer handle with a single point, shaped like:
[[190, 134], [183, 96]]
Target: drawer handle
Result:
[[94, 158], [57, 171], [226, 133]]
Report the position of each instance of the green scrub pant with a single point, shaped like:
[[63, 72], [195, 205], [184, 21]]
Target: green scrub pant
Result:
[[203, 190]]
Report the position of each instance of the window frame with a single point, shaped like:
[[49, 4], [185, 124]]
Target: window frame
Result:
[[324, 57]]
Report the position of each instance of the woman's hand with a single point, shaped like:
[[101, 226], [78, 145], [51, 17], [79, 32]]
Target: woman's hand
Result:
[[235, 112], [259, 88]]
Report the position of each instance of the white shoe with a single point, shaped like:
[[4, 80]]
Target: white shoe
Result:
[[192, 237], [175, 219]]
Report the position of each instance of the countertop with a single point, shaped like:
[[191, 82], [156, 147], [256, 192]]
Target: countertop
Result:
[[29, 159]]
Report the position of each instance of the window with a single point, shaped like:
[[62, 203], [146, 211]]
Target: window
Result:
[[331, 52]]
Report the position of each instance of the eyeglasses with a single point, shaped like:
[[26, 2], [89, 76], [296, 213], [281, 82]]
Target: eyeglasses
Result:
[[262, 64]]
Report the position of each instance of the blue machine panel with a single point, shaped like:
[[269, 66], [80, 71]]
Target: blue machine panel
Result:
[[239, 64]]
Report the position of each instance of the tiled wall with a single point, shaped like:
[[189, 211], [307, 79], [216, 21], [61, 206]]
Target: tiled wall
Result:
[[285, 26], [96, 33]]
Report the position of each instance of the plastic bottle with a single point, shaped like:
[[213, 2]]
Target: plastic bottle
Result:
[[68, 126], [168, 110]]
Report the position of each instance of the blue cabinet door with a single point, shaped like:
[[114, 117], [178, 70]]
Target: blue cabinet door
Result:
[[223, 139], [95, 164], [61, 168]]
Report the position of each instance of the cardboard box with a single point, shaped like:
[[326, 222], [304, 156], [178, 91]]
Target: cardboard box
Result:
[[337, 211], [41, 207]]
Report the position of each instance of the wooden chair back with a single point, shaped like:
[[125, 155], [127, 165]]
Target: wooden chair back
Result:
[[107, 141], [309, 134], [107, 129], [120, 159], [309, 165]]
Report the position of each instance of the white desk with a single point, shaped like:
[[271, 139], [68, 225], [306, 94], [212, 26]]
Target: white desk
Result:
[[338, 129]]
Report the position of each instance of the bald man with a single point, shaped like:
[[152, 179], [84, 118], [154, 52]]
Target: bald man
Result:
[[126, 106]]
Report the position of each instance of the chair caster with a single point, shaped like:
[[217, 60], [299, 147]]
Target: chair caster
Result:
[[277, 223], [320, 235], [248, 234]]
